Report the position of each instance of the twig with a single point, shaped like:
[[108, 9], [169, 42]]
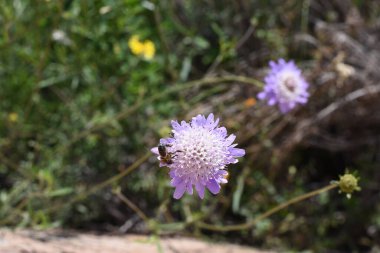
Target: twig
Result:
[[370, 90], [304, 128], [103, 184], [113, 179], [131, 205], [268, 213], [245, 37]]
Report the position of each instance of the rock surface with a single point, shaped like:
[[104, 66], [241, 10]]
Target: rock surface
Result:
[[58, 241]]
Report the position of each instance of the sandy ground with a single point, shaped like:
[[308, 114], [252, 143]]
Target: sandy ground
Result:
[[27, 241]]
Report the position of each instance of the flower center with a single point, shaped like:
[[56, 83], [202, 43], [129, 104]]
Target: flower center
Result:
[[290, 84], [199, 153]]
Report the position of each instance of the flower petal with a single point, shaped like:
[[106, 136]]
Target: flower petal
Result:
[[155, 150], [176, 126], [261, 95], [230, 139], [179, 191], [213, 186], [166, 141], [199, 121], [210, 118], [236, 152], [200, 189], [176, 181], [189, 189], [272, 101], [221, 131]]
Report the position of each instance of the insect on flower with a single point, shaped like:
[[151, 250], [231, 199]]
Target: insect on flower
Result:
[[166, 156], [197, 154]]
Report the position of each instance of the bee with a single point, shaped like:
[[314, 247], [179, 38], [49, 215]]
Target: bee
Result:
[[165, 155]]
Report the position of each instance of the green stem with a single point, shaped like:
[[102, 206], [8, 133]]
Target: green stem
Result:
[[268, 213]]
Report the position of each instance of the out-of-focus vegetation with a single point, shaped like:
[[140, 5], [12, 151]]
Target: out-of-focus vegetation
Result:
[[77, 108]]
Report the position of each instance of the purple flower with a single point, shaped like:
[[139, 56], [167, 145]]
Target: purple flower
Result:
[[197, 154], [285, 86]]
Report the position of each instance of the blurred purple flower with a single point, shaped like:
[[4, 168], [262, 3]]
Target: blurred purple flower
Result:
[[285, 86], [200, 151]]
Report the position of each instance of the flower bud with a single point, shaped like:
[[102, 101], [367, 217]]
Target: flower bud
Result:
[[348, 183]]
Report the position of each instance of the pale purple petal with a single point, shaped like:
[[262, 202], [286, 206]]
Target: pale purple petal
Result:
[[222, 131], [176, 181], [211, 125], [231, 159], [154, 150], [261, 95], [272, 101], [198, 121], [230, 139], [237, 152], [213, 186], [222, 181], [189, 189], [176, 126], [210, 118], [179, 191], [222, 177], [200, 189], [166, 141]]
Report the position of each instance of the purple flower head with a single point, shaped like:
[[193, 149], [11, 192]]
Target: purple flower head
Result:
[[197, 154], [285, 86]]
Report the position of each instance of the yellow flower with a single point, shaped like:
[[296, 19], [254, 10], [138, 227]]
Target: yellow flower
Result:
[[149, 50], [135, 45], [145, 49], [13, 117]]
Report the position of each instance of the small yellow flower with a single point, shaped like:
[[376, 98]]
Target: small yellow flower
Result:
[[135, 45], [149, 50], [145, 49], [13, 117]]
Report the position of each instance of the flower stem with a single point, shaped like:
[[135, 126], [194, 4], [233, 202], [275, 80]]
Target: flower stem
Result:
[[249, 224]]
